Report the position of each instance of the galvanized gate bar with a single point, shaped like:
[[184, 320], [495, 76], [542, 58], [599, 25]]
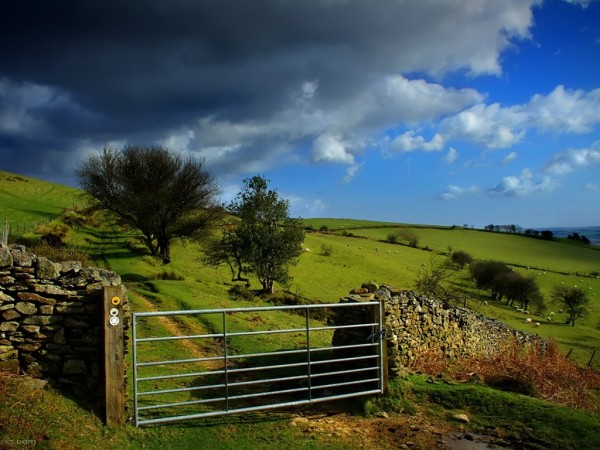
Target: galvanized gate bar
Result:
[[317, 376]]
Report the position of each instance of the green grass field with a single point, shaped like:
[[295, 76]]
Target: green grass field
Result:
[[25, 202]]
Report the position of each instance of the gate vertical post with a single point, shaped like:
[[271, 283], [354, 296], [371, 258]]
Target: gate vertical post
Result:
[[114, 362], [379, 317]]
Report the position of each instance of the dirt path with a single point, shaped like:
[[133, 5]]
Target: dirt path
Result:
[[176, 329]]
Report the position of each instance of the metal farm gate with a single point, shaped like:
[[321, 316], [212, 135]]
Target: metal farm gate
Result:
[[231, 370]]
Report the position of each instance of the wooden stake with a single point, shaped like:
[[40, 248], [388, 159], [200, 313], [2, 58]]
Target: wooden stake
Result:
[[114, 363]]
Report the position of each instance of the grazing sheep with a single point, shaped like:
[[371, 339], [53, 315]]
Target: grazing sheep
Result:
[[485, 302], [560, 310], [528, 320], [537, 324], [306, 249], [551, 313], [526, 311], [549, 319]]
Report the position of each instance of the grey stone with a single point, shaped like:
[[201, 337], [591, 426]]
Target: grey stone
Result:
[[30, 296], [9, 326], [6, 298], [26, 308], [22, 257], [47, 270], [70, 266], [10, 314], [6, 259]]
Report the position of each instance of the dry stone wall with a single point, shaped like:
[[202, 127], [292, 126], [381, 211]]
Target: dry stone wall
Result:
[[51, 319], [415, 324]]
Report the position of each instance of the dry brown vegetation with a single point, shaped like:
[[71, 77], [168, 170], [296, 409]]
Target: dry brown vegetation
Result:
[[535, 370]]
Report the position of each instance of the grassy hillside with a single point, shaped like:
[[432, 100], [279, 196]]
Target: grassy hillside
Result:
[[558, 256], [25, 201]]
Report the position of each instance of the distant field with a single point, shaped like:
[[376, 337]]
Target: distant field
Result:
[[511, 249]]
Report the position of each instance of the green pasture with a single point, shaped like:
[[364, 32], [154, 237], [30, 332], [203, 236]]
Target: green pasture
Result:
[[349, 224], [557, 256], [26, 201]]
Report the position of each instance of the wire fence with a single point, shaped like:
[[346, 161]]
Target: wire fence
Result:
[[16, 229]]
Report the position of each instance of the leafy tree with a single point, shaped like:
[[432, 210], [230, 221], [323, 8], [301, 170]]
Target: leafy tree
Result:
[[573, 299], [520, 289], [153, 190], [489, 275], [547, 234], [461, 259], [268, 240]]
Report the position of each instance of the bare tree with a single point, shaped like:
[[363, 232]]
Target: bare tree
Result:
[[153, 190]]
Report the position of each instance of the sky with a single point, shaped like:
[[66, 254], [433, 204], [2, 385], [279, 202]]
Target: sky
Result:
[[462, 112]]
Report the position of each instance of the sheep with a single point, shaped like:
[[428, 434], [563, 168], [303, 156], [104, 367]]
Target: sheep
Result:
[[560, 311], [485, 302], [537, 324], [528, 320], [306, 249], [551, 313], [549, 319]]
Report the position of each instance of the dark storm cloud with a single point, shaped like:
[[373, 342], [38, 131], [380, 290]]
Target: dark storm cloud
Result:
[[75, 75]]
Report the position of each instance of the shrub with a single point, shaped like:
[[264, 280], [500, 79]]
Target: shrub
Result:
[[392, 238], [535, 370], [53, 233]]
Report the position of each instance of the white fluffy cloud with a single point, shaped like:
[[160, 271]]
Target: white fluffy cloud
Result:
[[574, 159], [494, 126], [328, 148], [522, 185], [408, 142]]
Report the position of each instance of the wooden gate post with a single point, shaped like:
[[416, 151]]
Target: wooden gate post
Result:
[[114, 362]]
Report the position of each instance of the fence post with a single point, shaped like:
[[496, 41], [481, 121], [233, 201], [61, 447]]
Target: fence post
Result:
[[114, 362]]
